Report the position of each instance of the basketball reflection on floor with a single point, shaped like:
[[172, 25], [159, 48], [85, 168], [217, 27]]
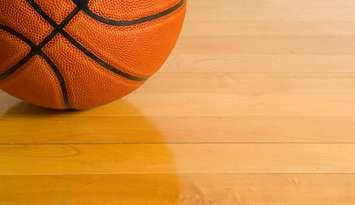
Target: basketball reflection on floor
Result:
[[125, 178]]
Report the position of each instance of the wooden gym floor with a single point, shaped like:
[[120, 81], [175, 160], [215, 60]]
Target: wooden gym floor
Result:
[[255, 106]]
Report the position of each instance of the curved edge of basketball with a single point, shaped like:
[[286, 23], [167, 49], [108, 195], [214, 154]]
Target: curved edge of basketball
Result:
[[80, 74]]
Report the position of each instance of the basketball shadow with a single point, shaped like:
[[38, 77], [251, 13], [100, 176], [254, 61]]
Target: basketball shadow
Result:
[[118, 124]]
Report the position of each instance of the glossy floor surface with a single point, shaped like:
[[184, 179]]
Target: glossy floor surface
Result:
[[255, 106]]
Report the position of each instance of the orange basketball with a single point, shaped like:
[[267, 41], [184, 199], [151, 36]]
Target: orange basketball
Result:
[[77, 54]]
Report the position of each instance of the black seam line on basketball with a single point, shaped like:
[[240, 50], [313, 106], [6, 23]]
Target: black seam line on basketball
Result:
[[42, 13], [99, 60], [59, 29], [18, 65], [25, 59], [29, 56], [59, 77], [113, 22], [18, 35]]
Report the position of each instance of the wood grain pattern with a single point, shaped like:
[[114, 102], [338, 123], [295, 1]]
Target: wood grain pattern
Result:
[[255, 106], [185, 158], [188, 189]]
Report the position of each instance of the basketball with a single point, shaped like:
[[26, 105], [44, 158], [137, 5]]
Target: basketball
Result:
[[78, 54]]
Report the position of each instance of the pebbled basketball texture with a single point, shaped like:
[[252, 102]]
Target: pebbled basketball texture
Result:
[[78, 54]]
